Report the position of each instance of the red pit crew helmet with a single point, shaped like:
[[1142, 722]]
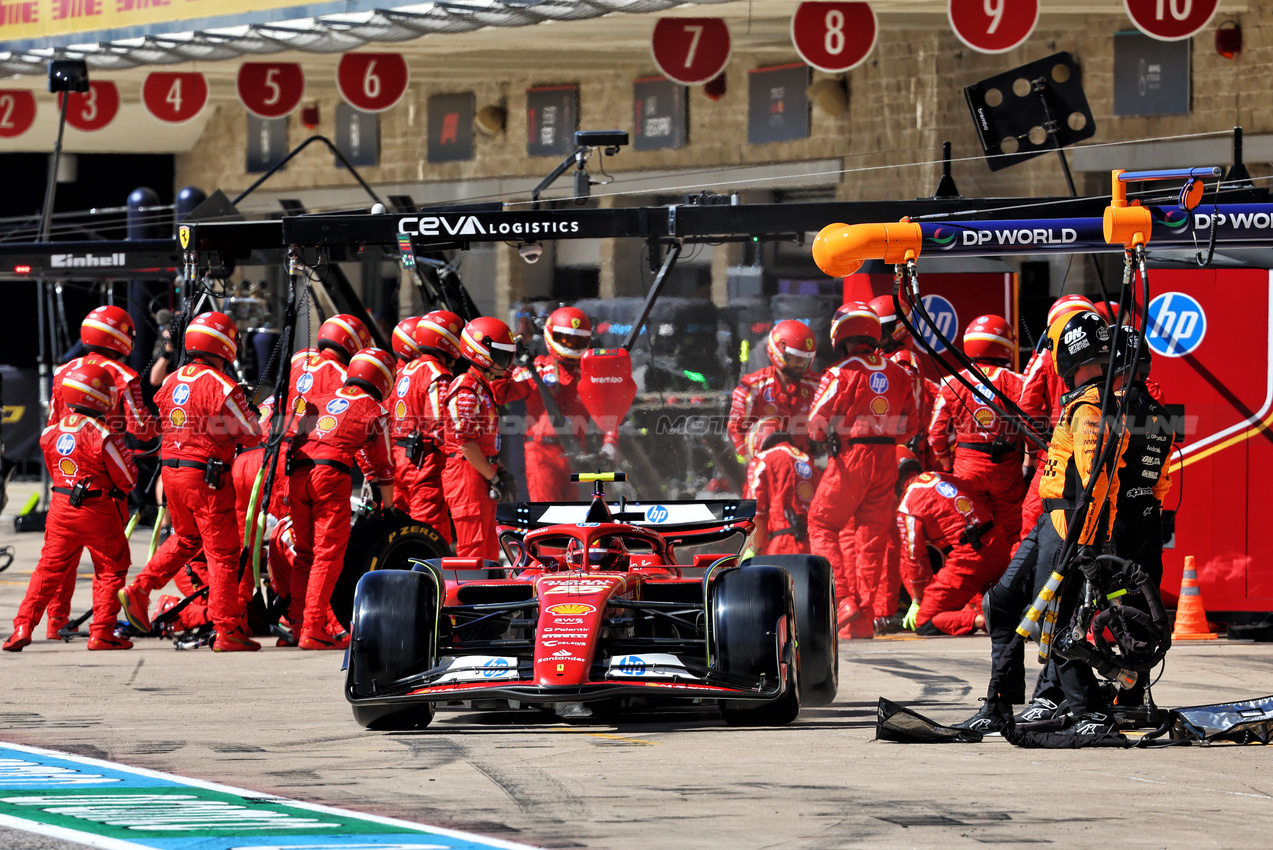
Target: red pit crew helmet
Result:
[[907, 466], [88, 388], [487, 343], [440, 330], [344, 334], [1067, 304], [372, 369], [855, 322], [892, 332], [989, 338], [214, 334], [568, 332], [791, 345], [404, 344], [108, 329]]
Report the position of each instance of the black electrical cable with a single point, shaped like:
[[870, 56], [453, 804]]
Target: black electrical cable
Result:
[[1010, 409]]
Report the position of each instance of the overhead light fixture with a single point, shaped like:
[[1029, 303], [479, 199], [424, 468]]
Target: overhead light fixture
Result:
[[1229, 39]]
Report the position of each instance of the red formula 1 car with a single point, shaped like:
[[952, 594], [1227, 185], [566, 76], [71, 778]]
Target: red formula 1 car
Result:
[[597, 611]]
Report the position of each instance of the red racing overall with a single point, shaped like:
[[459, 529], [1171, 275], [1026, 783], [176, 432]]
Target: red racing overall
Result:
[[417, 412], [783, 481], [79, 448], [471, 416], [547, 466], [987, 447], [938, 509], [346, 425], [205, 415], [869, 404], [130, 415], [1041, 391], [766, 392]]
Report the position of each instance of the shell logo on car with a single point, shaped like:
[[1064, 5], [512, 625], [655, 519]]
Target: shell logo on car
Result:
[[572, 608]]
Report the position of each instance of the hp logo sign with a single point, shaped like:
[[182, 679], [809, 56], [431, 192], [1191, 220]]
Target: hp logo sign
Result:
[[656, 514], [944, 317], [1177, 324]]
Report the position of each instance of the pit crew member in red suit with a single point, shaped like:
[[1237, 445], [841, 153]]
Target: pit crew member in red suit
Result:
[[784, 389], [567, 334], [91, 472], [471, 440], [404, 345], [338, 428], [417, 417], [987, 447], [864, 407], [108, 334], [205, 416], [783, 481], [897, 345], [938, 509], [321, 371], [1041, 391]]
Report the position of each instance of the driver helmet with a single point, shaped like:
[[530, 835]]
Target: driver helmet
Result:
[[603, 555]]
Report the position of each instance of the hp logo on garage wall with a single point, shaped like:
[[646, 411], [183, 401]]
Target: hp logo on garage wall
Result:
[[944, 317], [1177, 324]]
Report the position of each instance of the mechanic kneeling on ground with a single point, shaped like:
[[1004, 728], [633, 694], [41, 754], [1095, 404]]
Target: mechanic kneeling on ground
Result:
[[472, 479], [783, 481], [335, 429], [939, 509], [91, 471], [864, 407], [205, 415], [1080, 343]]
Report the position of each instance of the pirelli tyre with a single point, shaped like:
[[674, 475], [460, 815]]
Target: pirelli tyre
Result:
[[752, 611], [391, 637], [383, 542], [817, 644]]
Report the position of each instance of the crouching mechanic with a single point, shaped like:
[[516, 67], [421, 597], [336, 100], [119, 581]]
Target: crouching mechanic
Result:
[[91, 472], [938, 509], [472, 479], [864, 407], [417, 421], [783, 481], [205, 415], [1080, 363], [337, 428]]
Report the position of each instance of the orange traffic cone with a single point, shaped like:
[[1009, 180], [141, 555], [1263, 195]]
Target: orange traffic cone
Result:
[[1191, 617]]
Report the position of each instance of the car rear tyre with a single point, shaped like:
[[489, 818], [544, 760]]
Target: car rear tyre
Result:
[[817, 645], [383, 542], [391, 637], [753, 620]]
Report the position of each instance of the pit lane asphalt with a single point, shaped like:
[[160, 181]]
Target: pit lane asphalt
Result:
[[276, 722]]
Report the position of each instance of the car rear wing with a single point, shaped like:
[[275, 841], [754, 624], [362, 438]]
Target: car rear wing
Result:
[[666, 517]]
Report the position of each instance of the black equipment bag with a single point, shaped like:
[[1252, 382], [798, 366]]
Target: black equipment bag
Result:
[[901, 725], [1245, 722]]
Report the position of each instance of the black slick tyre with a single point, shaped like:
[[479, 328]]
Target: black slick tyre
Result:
[[391, 637], [819, 649], [752, 612], [383, 542]]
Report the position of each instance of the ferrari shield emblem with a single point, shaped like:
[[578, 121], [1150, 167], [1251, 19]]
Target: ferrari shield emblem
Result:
[[184, 234], [574, 322]]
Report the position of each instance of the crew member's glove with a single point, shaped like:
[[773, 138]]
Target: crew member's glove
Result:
[[747, 554], [912, 614], [503, 486], [1085, 562], [1027, 473]]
